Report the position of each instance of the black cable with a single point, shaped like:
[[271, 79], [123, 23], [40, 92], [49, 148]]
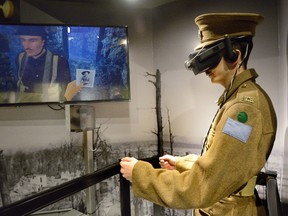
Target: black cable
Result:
[[57, 109]]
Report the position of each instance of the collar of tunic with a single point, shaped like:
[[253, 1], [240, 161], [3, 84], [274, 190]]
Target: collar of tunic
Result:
[[249, 74]]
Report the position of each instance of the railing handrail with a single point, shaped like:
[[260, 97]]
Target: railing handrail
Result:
[[47, 197]]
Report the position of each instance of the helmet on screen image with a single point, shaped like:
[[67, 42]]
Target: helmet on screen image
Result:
[[32, 30]]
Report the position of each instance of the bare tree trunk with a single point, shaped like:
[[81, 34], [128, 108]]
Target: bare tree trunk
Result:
[[159, 132], [4, 187], [171, 137], [159, 114]]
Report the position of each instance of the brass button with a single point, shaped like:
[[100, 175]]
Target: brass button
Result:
[[210, 212]]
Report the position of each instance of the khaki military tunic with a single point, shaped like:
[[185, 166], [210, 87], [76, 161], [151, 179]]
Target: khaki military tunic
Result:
[[238, 144]]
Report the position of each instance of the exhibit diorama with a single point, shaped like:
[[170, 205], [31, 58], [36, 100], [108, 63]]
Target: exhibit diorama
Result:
[[122, 55]]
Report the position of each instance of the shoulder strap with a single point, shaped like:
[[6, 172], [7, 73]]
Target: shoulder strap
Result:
[[54, 68]]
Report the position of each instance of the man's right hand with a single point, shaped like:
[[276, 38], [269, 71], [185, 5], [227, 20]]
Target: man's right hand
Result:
[[72, 89]]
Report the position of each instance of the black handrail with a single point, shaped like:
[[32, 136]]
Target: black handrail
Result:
[[45, 198]]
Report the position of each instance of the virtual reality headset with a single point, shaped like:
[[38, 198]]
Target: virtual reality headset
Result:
[[208, 58]]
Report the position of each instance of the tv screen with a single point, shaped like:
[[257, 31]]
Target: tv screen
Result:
[[42, 64]]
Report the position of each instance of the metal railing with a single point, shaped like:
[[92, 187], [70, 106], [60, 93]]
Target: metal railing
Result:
[[42, 199], [45, 198]]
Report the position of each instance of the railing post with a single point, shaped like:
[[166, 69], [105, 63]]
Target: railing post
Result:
[[88, 138], [125, 197]]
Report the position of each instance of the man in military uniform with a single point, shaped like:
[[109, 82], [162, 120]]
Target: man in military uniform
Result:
[[221, 180], [42, 75]]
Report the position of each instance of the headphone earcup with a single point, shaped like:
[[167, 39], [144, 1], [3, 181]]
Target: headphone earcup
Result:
[[232, 56]]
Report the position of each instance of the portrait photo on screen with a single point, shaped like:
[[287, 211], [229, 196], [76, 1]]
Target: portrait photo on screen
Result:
[[63, 64], [85, 77]]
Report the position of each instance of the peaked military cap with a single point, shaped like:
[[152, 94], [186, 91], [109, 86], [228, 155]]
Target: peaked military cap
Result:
[[215, 26]]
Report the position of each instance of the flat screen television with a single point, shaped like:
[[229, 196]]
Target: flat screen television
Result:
[[46, 64]]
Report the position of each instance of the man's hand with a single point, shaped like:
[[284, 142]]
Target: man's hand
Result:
[[167, 162], [127, 165], [72, 89]]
